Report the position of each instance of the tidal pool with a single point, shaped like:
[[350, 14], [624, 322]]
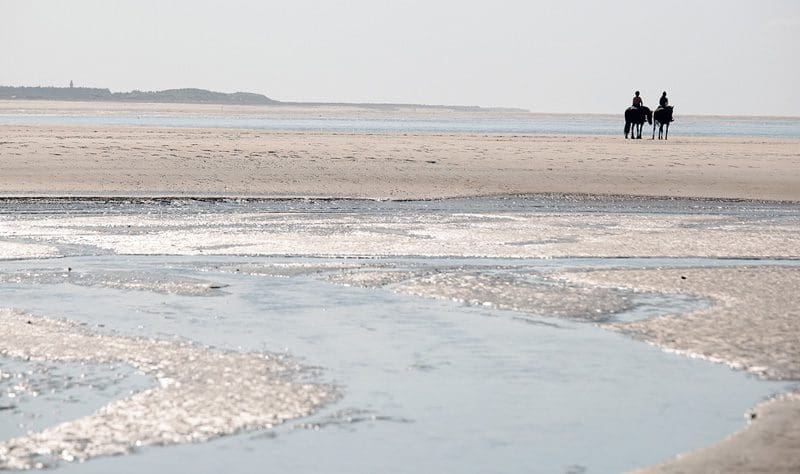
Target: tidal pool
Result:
[[425, 383]]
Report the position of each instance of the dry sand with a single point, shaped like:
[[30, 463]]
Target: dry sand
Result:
[[130, 161]]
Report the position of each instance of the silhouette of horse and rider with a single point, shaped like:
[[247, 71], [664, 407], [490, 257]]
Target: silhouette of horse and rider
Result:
[[637, 113]]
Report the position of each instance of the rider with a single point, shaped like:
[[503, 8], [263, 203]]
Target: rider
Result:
[[663, 102], [637, 101]]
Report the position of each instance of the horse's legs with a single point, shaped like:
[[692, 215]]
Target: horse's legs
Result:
[[654, 130], [666, 132]]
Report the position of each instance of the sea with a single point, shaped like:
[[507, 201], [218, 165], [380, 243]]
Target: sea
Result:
[[475, 123]]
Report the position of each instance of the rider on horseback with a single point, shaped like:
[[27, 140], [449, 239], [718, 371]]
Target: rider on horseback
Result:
[[663, 102], [637, 101]]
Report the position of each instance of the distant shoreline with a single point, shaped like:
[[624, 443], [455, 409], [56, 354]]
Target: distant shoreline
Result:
[[383, 108], [203, 96]]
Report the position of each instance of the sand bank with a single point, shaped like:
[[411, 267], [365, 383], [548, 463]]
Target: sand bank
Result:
[[129, 161]]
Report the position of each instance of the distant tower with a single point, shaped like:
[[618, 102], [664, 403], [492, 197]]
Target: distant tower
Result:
[[71, 85]]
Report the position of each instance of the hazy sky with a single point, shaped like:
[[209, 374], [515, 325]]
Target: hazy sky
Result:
[[713, 56]]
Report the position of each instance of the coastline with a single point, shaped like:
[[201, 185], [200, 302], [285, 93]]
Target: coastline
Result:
[[329, 109]]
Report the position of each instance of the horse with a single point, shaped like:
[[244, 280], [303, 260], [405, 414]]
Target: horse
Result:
[[662, 116], [636, 116]]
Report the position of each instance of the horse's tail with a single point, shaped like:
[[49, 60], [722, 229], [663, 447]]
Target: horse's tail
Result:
[[627, 127]]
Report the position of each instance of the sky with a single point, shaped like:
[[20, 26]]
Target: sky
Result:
[[711, 56]]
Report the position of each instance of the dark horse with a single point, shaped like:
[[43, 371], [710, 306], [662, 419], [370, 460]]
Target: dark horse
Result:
[[662, 116], [636, 116]]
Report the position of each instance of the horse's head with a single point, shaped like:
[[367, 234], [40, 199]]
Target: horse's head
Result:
[[649, 114]]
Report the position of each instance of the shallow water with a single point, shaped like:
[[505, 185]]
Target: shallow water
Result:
[[784, 127], [426, 384], [446, 362]]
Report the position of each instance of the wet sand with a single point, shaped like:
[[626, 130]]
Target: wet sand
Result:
[[129, 161]]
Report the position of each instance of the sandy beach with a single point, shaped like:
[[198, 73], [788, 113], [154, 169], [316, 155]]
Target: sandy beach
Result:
[[126, 161], [751, 324]]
